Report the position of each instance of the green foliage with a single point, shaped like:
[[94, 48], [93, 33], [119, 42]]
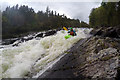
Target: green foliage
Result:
[[83, 24], [19, 20], [108, 14]]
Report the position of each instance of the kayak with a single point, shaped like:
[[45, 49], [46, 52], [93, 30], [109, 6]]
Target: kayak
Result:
[[67, 36]]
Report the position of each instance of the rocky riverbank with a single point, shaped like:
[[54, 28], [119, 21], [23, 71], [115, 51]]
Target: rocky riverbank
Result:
[[29, 37], [97, 57]]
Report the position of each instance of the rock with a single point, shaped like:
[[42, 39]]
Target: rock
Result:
[[118, 74], [59, 29], [9, 41], [48, 33], [39, 35], [86, 61], [96, 32], [104, 62], [20, 40], [118, 31], [113, 32], [26, 38], [30, 37]]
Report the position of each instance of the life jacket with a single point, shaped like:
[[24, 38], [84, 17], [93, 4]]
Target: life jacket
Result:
[[71, 33]]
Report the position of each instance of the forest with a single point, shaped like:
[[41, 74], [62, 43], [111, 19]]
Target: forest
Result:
[[21, 20], [18, 20], [108, 14]]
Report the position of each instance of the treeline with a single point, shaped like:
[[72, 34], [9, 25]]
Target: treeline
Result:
[[108, 14], [19, 20]]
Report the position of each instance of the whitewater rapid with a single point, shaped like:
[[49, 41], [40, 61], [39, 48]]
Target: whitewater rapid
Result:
[[37, 54]]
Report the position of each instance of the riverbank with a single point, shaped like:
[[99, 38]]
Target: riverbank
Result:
[[97, 57]]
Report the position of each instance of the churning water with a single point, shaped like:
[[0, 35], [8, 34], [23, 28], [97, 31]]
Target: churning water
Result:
[[36, 54]]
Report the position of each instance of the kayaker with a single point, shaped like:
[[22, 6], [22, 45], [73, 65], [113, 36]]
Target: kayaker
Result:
[[72, 32]]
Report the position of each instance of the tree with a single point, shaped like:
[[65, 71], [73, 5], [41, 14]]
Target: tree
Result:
[[47, 11], [92, 17], [20, 20], [105, 15]]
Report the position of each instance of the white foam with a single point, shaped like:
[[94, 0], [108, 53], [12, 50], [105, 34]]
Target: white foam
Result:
[[17, 61]]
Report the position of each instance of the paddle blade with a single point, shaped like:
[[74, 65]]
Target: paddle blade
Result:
[[65, 28]]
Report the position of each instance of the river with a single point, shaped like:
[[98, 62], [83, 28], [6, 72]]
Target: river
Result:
[[37, 54]]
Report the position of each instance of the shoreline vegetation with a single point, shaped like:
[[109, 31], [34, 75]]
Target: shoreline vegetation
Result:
[[107, 15]]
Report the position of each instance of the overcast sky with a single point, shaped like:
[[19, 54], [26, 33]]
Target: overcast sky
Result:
[[72, 9]]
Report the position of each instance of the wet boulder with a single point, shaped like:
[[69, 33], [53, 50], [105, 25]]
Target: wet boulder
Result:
[[9, 41], [26, 38], [39, 35], [113, 32], [96, 31], [48, 33], [23, 39], [58, 29]]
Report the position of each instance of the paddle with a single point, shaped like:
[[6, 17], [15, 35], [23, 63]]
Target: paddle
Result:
[[65, 28], [67, 36]]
